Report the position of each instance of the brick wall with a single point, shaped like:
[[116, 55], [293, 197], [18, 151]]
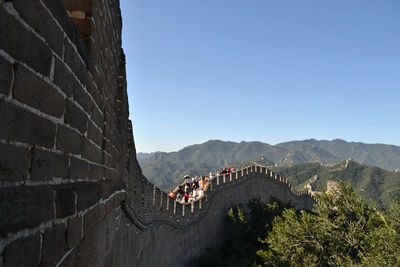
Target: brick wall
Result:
[[149, 205], [71, 190], [63, 126]]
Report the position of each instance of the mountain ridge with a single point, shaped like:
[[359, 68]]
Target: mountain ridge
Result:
[[166, 169]]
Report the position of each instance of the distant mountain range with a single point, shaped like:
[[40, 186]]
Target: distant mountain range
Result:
[[167, 169]]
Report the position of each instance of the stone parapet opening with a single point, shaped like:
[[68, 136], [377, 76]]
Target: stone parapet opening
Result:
[[80, 12]]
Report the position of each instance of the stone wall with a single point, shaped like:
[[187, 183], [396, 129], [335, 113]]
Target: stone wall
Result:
[[63, 126], [71, 190], [148, 205]]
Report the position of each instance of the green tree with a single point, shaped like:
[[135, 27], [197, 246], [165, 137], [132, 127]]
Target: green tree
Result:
[[341, 231], [385, 250]]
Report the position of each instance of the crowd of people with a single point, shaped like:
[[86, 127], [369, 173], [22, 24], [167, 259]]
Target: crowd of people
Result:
[[193, 188], [228, 170]]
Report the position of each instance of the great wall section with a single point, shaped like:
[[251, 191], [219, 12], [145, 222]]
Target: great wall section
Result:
[[71, 190]]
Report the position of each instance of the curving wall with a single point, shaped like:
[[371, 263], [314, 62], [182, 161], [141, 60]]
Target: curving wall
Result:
[[148, 205], [71, 190]]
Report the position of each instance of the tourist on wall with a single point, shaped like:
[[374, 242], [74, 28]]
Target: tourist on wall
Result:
[[181, 189], [179, 197]]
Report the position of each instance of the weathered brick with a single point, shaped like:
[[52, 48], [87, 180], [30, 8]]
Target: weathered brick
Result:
[[91, 218], [96, 116], [88, 195], [74, 231], [58, 11], [91, 88], [91, 152], [107, 131], [105, 189], [24, 207], [65, 201], [82, 97], [14, 163], [119, 168], [118, 185], [108, 123], [42, 22], [111, 150], [14, 38], [74, 62], [48, 165], [116, 142], [75, 117], [71, 259], [24, 251], [82, 45], [111, 174], [96, 172], [53, 245], [78, 169], [17, 124], [6, 73], [119, 148], [112, 118], [63, 77], [69, 140], [94, 134], [108, 187], [108, 161], [33, 91]]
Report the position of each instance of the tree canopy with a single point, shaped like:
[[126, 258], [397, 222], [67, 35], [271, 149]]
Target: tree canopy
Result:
[[340, 231]]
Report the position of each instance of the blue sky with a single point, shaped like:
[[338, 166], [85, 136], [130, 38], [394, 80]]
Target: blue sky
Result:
[[262, 70]]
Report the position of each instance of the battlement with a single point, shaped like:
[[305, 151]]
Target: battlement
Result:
[[155, 206]]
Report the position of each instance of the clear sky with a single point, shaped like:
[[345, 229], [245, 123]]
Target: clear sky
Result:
[[262, 70]]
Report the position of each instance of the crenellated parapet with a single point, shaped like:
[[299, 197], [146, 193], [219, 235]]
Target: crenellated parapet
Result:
[[153, 206]]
